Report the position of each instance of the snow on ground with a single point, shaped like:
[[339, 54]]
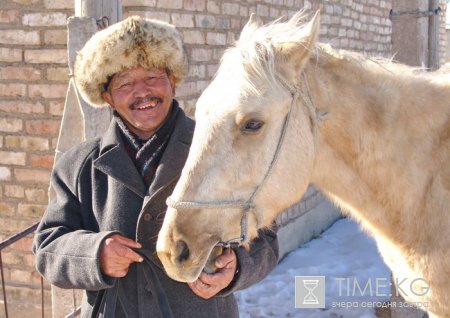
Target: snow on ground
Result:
[[343, 254]]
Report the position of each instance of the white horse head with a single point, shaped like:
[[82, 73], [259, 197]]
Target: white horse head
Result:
[[240, 119]]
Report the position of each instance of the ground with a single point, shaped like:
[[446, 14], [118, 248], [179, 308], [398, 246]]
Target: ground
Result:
[[355, 275]]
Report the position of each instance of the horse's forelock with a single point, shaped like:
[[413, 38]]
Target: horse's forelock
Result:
[[257, 47]]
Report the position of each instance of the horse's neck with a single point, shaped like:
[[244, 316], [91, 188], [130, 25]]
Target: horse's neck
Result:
[[371, 155]]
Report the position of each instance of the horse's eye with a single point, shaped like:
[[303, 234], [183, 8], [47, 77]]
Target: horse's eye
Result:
[[252, 125]]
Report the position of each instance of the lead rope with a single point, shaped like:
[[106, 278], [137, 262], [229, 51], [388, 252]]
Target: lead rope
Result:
[[248, 205]]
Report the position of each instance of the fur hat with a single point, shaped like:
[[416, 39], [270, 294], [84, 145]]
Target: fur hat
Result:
[[130, 43]]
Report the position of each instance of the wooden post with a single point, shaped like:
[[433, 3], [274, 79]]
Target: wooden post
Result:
[[80, 121], [433, 35]]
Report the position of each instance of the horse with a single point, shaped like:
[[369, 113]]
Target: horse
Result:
[[284, 111]]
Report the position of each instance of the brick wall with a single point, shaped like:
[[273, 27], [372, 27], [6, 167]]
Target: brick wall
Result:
[[33, 82], [33, 76]]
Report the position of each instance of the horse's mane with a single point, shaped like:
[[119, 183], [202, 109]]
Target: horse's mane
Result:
[[255, 49], [255, 52]]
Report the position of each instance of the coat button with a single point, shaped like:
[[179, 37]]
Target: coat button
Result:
[[147, 217]]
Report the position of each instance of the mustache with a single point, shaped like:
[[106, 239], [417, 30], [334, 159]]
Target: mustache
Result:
[[140, 101]]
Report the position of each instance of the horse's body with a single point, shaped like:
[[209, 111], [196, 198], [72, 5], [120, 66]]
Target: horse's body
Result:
[[383, 154]]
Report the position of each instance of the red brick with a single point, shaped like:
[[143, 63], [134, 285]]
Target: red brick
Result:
[[205, 21], [25, 243], [10, 55], [55, 37], [42, 161], [14, 191], [42, 127], [216, 38], [12, 226], [20, 276], [56, 108], [170, 4], [186, 89], [19, 37], [157, 15], [201, 54], [57, 74], [27, 143], [7, 209], [231, 9], [46, 56], [36, 195], [31, 210], [193, 37], [5, 174], [59, 4], [213, 7], [12, 158], [139, 3], [11, 258], [29, 261], [194, 5], [181, 20], [12, 90], [44, 19], [9, 16], [10, 124], [32, 175], [20, 73], [23, 107], [48, 90], [26, 2]]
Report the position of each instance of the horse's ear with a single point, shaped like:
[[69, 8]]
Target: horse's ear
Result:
[[253, 23], [298, 46]]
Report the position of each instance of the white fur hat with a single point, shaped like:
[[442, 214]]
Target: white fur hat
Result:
[[130, 43]]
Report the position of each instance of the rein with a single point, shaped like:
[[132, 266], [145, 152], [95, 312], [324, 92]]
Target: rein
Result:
[[249, 205]]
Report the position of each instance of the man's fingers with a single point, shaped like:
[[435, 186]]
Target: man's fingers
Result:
[[126, 241], [128, 254], [116, 255], [226, 258]]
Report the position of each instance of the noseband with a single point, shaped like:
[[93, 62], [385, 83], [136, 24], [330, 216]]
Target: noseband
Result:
[[248, 206]]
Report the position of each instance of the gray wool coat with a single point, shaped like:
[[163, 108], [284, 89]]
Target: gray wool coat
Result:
[[99, 192]]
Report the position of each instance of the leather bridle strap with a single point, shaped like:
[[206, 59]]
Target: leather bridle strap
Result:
[[249, 206]]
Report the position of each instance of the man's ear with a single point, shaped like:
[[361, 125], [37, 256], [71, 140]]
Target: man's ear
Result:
[[108, 98], [172, 83]]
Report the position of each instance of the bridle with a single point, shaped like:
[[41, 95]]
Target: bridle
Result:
[[248, 206]]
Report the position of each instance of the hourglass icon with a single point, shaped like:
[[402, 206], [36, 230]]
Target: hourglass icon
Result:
[[310, 298]]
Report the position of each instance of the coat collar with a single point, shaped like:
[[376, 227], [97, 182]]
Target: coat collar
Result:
[[115, 161], [175, 155]]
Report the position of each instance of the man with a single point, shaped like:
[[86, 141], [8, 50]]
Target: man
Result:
[[111, 191]]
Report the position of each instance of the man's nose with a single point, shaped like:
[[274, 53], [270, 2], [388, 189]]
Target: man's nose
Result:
[[141, 89]]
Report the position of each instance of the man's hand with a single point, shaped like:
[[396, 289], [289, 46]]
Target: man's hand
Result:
[[208, 285], [116, 255]]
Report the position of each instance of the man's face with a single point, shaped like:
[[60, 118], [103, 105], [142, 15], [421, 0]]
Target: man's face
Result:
[[142, 97]]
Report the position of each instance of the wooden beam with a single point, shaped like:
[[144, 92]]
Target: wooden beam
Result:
[[433, 35]]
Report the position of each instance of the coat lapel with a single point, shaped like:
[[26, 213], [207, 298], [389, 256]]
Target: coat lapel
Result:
[[116, 163], [175, 155]]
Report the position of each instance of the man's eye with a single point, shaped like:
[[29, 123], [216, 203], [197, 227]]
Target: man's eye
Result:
[[125, 84], [252, 125]]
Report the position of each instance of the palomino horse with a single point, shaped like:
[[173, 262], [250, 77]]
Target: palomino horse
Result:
[[284, 111]]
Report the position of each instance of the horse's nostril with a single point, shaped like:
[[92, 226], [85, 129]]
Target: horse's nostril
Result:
[[183, 251]]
